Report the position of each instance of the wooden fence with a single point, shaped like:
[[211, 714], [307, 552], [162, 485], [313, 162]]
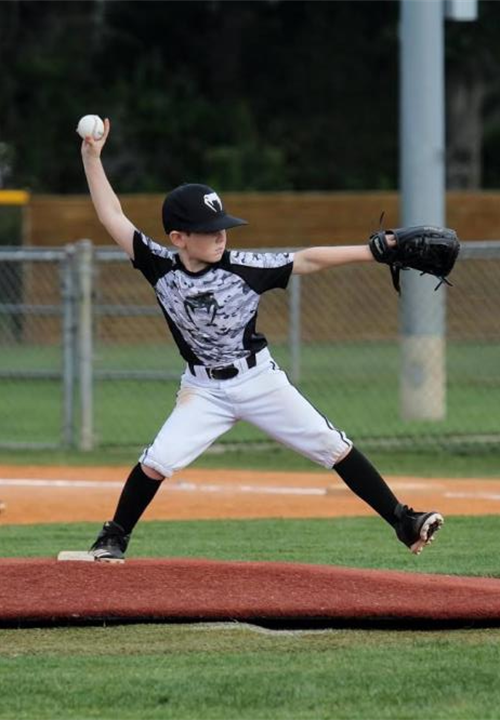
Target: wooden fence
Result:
[[275, 219]]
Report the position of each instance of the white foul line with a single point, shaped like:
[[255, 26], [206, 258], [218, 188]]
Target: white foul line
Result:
[[181, 486], [173, 486], [32, 482], [473, 495]]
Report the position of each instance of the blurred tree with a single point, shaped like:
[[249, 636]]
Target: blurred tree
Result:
[[473, 100], [267, 95], [253, 95], [48, 66]]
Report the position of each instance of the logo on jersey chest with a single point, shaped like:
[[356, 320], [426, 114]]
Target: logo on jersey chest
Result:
[[205, 302]]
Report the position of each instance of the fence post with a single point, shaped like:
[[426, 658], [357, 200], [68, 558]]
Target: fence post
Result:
[[69, 330], [85, 342], [294, 330]]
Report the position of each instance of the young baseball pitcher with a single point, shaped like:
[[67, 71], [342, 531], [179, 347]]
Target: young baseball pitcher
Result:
[[209, 296]]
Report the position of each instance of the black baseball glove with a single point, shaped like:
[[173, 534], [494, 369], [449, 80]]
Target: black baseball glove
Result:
[[431, 250]]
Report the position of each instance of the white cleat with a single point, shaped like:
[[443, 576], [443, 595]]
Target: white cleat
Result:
[[416, 529]]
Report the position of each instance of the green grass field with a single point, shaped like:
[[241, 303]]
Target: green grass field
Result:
[[231, 671], [466, 545], [190, 672]]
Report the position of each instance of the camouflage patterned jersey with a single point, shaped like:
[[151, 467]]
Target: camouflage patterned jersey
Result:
[[212, 313]]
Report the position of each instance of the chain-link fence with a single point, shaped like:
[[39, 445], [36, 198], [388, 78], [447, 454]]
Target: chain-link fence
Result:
[[87, 361]]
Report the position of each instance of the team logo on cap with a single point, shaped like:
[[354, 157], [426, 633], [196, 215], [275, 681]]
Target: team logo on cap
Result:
[[213, 201]]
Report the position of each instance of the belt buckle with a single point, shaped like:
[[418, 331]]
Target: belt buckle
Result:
[[222, 373]]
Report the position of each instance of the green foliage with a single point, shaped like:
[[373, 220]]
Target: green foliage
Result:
[[10, 225], [267, 95], [263, 95]]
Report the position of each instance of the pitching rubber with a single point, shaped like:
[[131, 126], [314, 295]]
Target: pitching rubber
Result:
[[82, 556]]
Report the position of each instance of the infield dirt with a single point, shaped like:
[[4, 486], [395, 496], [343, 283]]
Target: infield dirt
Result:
[[34, 494]]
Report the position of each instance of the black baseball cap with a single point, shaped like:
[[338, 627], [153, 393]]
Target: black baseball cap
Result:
[[196, 208]]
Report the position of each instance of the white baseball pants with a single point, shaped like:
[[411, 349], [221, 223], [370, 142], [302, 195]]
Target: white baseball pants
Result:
[[207, 408]]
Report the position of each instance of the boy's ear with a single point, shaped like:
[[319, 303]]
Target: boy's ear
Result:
[[176, 238]]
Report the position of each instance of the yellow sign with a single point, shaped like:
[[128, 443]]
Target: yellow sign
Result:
[[14, 197]]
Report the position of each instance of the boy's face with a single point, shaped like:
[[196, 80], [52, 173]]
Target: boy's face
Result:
[[201, 247]]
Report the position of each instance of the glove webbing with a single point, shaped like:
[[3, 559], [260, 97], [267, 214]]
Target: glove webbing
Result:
[[395, 276]]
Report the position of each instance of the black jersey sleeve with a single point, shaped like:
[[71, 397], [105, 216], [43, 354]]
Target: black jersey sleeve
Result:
[[151, 258], [262, 271]]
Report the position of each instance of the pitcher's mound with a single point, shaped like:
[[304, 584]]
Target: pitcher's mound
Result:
[[47, 592]]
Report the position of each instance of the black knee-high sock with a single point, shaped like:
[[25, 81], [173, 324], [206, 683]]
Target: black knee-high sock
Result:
[[363, 479], [137, 493]]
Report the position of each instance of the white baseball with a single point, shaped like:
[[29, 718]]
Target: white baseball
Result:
[[90, 126]]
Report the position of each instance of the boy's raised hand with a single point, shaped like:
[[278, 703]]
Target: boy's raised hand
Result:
[[92, 147]]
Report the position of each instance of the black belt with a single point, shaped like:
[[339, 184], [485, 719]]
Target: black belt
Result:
[[224, 373]]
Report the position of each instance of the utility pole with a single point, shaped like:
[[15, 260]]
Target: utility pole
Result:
[[422, 181]]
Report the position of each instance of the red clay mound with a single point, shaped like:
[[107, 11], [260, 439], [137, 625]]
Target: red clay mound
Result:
[[39, 592]]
